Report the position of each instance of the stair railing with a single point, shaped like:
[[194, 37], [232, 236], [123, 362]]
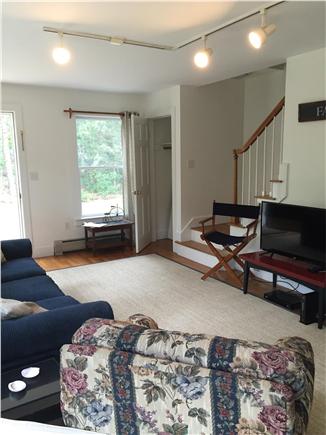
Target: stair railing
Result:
[[250, 168]]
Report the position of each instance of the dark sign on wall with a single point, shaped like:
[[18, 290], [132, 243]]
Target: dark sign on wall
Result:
[[315, 111]]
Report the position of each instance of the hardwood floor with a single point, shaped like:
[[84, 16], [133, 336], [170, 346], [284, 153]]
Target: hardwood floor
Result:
[[161, 247]]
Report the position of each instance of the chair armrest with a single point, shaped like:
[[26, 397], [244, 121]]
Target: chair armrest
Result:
[[202, 222], [47, 331], [206, 220], [253, 225], [13, 249]]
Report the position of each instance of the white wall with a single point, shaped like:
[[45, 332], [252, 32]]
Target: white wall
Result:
[[262, 91], [50, 147], [211, 127], [305, 143]]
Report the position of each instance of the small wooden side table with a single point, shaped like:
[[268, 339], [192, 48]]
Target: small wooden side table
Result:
[[94, 243]]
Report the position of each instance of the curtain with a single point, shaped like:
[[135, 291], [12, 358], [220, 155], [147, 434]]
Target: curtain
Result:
[[128, 166]]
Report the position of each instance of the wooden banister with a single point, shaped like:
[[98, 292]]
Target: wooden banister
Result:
[[261, 128], [245, 147]]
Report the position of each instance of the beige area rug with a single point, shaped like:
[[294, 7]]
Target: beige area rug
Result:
[[177, 298]]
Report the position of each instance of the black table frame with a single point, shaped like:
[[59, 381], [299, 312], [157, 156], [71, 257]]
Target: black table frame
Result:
[[34, 403], [319, 290]]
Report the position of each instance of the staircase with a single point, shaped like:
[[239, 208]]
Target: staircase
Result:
[[259, 171], [259, 175]]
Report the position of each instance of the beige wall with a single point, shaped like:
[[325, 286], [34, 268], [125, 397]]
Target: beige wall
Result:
[[305, 143], [211, 126], [262, 91]]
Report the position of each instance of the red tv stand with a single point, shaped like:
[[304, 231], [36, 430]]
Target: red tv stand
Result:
[[289, 268]]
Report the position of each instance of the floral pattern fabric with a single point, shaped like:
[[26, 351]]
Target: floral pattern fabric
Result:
[[120, 378]]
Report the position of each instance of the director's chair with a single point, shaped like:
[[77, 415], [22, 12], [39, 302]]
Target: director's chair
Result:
[[231, 244]]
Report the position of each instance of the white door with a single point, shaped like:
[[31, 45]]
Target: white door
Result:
[[141, 182], [11, 207]]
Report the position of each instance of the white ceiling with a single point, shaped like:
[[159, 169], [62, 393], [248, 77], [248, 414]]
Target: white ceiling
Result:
[[100, 66]]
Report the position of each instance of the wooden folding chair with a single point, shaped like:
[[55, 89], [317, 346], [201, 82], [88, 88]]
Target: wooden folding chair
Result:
[[231, 244]]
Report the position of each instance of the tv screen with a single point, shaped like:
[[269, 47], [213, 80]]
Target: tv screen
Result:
[[295, 231]]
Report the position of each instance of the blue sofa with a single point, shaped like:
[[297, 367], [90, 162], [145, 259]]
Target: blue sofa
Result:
[[29, 339]]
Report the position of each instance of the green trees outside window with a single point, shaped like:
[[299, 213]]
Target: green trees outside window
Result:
[[100, 161]]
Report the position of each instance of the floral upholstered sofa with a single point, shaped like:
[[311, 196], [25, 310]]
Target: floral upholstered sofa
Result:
[[124, 378]]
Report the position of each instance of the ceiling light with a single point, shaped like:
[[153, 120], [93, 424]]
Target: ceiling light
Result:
[[258, 37], [60, 54], [202, 57]]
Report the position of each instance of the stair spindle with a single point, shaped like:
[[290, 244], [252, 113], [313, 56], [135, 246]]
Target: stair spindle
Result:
[[272, 153], [282, 131], [264, 165], [242, 187], [256, 176], [249, 176]]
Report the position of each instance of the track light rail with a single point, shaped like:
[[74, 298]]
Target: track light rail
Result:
[[121, 41]]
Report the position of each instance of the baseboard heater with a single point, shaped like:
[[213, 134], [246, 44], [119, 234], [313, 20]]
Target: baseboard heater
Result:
[[70, 245]]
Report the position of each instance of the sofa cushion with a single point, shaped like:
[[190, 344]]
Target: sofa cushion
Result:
[[20, 268], [31, 289], [57, 302], [16, 248]]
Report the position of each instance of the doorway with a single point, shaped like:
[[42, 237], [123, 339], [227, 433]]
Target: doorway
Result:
[[11, 207], [161, 178]]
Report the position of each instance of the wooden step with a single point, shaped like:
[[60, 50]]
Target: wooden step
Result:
[[223, 228], [199, 247], [265, 197], [276, 181]]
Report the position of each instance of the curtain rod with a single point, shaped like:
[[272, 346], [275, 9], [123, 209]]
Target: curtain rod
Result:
[[87, 112]]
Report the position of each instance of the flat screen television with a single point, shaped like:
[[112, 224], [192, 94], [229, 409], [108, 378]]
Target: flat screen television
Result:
[[294, 231]]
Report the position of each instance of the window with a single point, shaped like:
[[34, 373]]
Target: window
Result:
[[100, 161]]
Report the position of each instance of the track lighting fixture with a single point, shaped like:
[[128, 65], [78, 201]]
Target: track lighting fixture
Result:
[[258, 37], [60, 54], [202, 57]]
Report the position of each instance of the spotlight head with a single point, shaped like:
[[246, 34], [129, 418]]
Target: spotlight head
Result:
[[257, 38], [61, 55], [202, 57]]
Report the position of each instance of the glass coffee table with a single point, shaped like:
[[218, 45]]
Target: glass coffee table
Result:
[[40, 401]]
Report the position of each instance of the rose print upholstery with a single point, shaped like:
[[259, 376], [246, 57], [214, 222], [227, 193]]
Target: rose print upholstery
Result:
[[123, 378]]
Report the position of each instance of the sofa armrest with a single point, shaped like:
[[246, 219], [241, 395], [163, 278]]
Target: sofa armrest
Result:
[[13, 249], [46, 331]]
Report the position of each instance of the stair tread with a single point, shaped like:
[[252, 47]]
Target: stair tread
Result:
[[198, 247], [264, 197]]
